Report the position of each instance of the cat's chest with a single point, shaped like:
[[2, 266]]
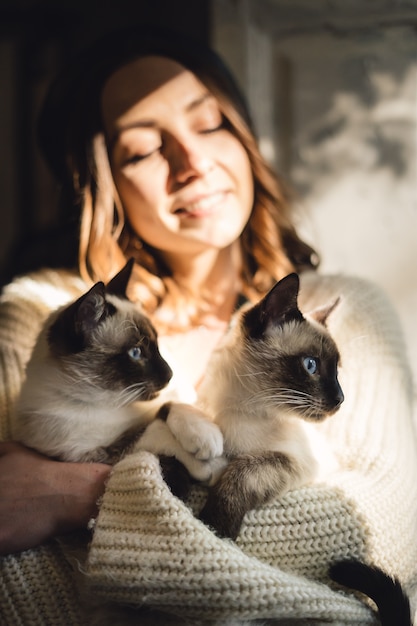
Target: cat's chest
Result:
[[251, 434]]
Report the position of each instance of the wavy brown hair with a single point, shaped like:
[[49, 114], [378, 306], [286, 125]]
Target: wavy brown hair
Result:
[[72, 138]]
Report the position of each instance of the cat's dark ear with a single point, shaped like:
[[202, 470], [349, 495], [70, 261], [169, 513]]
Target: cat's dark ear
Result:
[[276, 308], [91, 310], [118, 284], [70, 331], [321, 314]]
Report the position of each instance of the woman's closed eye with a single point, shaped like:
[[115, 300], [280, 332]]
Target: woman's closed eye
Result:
[[137, 158], [213, 128], [134, 145]]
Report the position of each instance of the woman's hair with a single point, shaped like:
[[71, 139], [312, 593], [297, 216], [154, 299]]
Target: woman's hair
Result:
[[72, 139]]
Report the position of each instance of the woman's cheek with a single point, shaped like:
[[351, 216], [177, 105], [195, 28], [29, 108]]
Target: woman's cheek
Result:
[[135, 192]]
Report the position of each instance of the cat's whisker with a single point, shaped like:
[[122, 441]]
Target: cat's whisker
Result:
[[81, 380], [250, 374], [132, 393], [284, 394], [272, 398], [127, 326]]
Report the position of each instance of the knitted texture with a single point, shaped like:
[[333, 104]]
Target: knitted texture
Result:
[[37, 589], [165, 557], [149, 549]]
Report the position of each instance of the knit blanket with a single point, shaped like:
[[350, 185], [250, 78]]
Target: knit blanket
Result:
[[149, 549]]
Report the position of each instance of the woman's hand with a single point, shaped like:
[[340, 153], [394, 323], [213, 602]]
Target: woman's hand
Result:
[[41, 498]]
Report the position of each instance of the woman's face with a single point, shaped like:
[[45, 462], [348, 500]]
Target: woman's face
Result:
[[185, 181]]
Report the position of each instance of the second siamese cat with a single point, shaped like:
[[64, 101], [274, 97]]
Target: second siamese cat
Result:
[[275, 372]]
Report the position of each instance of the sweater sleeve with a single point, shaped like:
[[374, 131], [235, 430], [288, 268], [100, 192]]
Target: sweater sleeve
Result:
[[20, 322], [37, 586], [24, 306], [149, 549]]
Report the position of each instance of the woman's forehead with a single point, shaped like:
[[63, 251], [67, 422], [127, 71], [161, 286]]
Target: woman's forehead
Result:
[[146, 84]]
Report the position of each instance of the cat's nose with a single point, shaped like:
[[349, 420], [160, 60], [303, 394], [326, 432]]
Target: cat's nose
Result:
[[167, 373], [339, 397]]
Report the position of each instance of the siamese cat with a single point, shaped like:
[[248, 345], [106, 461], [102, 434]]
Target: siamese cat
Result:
[[96, 378], [275, 371], [92, 376]]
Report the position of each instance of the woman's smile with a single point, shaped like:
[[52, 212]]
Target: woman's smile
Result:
[[202, 206]]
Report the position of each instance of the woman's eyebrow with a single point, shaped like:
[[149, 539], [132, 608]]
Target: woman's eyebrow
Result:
[[118, 131], [191, 106], [198, 101]]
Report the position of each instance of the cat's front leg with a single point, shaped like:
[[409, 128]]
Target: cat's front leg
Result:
[[195, 432], [248, 481], [159, 439]]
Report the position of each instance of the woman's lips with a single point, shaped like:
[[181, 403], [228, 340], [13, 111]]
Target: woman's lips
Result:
[[201, 207]]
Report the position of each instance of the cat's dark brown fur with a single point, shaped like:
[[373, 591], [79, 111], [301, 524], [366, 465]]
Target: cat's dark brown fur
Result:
[[387, 592]]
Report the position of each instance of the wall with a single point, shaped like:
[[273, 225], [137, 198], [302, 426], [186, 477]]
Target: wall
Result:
[[339, 119]]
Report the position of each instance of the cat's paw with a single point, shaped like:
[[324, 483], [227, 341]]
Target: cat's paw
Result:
[[206, 472], [194, 431], [159, 440]]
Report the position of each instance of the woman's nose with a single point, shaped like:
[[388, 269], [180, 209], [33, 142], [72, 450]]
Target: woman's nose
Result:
[[189, 160]]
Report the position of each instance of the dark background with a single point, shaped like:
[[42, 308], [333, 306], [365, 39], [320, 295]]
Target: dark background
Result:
[[36, 37]]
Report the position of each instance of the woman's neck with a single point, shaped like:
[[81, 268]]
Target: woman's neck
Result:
[[214, 276]]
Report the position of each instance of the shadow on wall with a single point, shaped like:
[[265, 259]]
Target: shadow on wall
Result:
[[354, 160], [373, 128]]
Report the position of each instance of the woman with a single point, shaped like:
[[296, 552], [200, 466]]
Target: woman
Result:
[[149, 136]]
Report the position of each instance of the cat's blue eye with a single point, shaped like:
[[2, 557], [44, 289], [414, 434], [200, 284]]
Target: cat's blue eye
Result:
[[310, 365], [135, 353]]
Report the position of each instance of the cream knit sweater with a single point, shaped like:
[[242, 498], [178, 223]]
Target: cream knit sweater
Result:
[[148, 550]]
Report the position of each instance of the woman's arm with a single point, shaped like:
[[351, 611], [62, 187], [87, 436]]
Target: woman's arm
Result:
[[40, 498]]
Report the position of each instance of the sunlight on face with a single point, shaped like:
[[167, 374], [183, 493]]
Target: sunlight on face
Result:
[[184, 180]]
